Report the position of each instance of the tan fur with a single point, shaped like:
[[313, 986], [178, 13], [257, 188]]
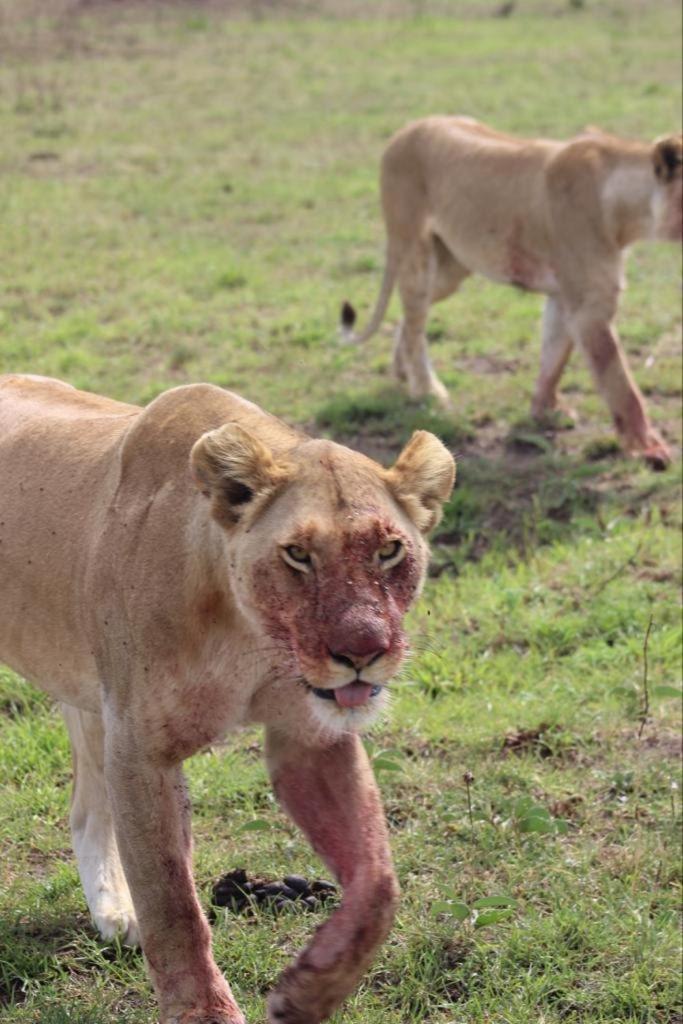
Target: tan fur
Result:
[[460, 198], [143, 583]]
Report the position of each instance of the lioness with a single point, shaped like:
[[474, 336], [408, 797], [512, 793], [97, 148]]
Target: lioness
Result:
[[554, 217], [173, 572]]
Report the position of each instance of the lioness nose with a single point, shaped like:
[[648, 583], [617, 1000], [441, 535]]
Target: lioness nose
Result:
[[357, 661], [358, 647]]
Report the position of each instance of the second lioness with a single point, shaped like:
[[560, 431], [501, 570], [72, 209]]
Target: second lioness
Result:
[[553, 217]]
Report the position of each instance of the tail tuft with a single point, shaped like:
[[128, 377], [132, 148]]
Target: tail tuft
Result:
[[348, 316], [348, 313]]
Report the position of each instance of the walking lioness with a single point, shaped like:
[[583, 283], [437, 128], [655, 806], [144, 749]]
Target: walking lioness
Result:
[[553, 217], [173, 572]]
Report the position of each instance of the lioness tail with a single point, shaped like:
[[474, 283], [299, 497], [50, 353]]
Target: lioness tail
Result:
[[348, 314]]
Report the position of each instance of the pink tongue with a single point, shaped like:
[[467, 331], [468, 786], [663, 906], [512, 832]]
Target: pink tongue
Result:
[[353, 694]]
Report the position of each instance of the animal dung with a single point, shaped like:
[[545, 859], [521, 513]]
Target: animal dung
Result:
[[241, 895]]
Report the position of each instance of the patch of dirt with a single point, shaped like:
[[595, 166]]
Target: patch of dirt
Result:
[[661, 743], [397, 816], [487, 364], [569, 807], [536, 741], [41, 862], [656, 575], [426, 750]]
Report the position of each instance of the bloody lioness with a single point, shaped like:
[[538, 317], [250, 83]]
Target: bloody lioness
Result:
[[173, 572]]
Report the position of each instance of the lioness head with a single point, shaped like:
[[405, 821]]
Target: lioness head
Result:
[[667, 161], [326, 551]]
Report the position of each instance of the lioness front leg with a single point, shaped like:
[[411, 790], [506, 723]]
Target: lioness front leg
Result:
[[99, 865], [152, 820], [331, 793], [594, 332]]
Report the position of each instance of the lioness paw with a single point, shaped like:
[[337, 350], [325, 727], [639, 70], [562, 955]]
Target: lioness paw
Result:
[[423, 383], [218, 1016], [657, 455], [114, 922], [651, 448], [282, 1011]]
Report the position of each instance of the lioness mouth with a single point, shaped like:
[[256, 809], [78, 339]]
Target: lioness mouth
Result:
[[352, 695]]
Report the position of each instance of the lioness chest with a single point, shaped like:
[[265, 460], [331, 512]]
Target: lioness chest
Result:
[[199, 698]]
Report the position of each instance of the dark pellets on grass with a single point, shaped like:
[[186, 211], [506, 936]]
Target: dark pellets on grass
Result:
[[296, 882], [321, 887], [272, 889], [235, 891]]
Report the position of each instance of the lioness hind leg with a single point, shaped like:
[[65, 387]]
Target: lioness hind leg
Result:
[[556, 347], [99, 865], [398, 364], [416, 279]]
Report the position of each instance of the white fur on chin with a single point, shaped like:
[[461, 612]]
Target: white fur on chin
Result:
[[334, 720]]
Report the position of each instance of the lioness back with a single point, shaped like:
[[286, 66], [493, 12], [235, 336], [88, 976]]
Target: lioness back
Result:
[[69, 445]]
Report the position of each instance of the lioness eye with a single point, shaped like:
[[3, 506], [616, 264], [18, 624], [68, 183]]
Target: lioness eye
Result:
[[391, 553], [297, 557]]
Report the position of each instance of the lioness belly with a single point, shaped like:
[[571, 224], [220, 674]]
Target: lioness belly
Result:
[[503, 259], [524, 272], [497, 226]]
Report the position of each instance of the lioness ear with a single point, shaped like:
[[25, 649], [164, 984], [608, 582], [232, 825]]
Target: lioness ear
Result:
[[422, 479], [667, 157], [232, 467]]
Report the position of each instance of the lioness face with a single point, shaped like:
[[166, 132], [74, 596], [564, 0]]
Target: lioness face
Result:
[[327, 557], [667, 203]]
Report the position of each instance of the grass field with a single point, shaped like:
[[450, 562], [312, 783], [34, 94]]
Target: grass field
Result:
[[189, 196]]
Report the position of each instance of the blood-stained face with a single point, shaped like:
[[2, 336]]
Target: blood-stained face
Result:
[[327, 559], [337, 601]]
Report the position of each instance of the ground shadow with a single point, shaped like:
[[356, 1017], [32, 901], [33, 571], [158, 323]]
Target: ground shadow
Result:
[[519, 485], [37, 950]]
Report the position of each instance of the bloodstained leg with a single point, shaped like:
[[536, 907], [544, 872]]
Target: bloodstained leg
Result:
[[607, 362], [152, 819], [331, 794]]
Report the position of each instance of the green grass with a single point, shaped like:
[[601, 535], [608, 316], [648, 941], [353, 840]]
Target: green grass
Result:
[[187, 196]]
